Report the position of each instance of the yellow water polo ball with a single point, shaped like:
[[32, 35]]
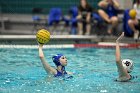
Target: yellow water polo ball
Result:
[[132, 13], [43, 36]]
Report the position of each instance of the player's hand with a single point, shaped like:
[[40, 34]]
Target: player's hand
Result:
[[120, 37], [40, 45]]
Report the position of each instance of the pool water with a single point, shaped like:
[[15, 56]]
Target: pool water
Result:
[[94, 71]]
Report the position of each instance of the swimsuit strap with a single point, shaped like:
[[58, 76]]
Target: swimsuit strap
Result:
[[60, 73]]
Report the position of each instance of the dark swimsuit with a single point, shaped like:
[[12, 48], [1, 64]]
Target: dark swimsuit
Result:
[[133, 77], [64, 75], [60, 73]]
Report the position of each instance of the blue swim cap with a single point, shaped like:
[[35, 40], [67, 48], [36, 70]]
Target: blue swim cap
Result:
[[56, 59]]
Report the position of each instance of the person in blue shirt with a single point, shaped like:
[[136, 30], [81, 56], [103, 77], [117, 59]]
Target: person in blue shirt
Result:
[[134, 27], [109, 11], [59, 60], [124, 66], [134, 21]]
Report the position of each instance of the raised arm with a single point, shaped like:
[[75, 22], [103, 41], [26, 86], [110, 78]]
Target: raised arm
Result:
[[118, 54], [46, 66], [123, 74]]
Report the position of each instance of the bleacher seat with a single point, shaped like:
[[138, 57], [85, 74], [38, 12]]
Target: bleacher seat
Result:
[[55, 16], [73, 21]]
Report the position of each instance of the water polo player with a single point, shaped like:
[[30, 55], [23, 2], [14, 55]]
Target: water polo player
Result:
[[59, 60], [124, 66], [43, 36]]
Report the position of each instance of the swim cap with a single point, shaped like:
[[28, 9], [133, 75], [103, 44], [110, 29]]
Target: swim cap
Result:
[[127, 64], [56, 59]]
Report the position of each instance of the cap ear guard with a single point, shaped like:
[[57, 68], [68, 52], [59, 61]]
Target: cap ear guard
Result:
[[128, 65], [56, 59]]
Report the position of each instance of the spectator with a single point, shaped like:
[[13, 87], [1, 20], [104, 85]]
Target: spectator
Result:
[[84, 17], [109, 13], [133, 24]]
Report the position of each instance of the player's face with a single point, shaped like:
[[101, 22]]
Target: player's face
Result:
[[63, 60]]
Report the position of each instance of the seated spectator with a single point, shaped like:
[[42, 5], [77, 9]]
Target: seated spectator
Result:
[[109, 13], [84, 17], [131, 21], [131, 24], [55, 16]]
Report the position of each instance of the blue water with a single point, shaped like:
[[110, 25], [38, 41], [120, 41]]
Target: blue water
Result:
[[94, 71]]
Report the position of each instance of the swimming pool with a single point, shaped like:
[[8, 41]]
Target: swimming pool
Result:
[[94, 71]]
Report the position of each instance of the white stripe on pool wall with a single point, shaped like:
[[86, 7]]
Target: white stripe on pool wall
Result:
[[73, 45], [36, 46], [111, 44]]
